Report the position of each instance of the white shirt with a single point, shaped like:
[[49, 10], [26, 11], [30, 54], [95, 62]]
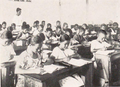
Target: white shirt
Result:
[[95, 44], [18, 21], [5, 52], [60, 54]]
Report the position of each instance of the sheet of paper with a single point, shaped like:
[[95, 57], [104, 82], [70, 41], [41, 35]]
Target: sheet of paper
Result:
[[19, 43], [104, 52], [79, 62], [51, 68]]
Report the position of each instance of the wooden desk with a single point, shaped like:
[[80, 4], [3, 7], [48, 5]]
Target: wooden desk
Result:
[[7, 73], [51, 80]]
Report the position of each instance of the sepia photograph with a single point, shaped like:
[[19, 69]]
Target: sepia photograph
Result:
[[60, 43]]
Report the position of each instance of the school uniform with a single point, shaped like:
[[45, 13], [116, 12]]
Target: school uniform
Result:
[[100, 58], [6, 52], [18, 21]]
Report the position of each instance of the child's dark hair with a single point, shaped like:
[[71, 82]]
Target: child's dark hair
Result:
[[65, 24], [64, 37], [13, 24], [70, 31], [18, 9], [57, 21], [37, 39], [4, 23], [76, 25], [36, 22], [102, 31]]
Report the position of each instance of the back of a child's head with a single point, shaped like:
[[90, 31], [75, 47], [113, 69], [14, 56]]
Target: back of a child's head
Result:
[[37, 39], [69, 31], [64, 37], [4, 23]]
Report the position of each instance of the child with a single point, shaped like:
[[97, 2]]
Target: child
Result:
[[69, 32], [61, 53], [34, 27], [65, 26], [58, 23], [6, 49], [79, 36], [74, 29], [58, 32], [24, 34], [30, 58], [48, 39], [101, 45], [13, 25], [37, 31], [49, 25]]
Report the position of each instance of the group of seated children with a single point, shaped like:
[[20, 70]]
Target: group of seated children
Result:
[[40, 39]]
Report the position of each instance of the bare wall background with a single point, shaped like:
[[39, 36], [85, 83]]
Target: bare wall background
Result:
[[71, 11]]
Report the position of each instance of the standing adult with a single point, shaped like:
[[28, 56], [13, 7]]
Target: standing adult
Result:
[[18, 19]]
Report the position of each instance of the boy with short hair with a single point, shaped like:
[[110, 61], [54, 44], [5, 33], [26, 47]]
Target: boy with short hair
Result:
[[6, 49], [100, 45]]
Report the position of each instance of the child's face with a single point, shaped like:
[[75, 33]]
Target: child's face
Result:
[[58, 31], [84, 26], [115, 26], [34, 24], [25, 30], [103, 27], [49, 33], [65, 26], [14, 27], [49, 26], [64, 45], [80, 32], [43, 23], [101, 37], [68, 33], [76, 27], [4, 26], [58, 24]]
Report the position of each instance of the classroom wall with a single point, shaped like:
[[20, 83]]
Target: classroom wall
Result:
[[70, 11]]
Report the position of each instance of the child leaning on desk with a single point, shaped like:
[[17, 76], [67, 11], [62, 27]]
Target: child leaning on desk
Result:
[[62, 53], [99, 48]]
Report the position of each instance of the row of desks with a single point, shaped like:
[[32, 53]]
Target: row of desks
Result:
[[51, 80]]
